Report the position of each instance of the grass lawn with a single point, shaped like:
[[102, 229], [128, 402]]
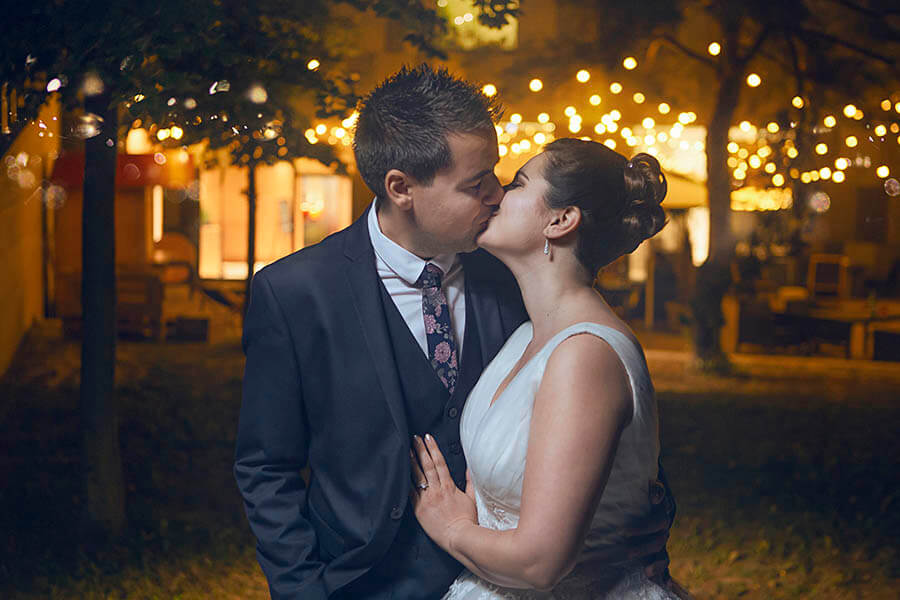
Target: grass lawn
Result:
[[787, 483]]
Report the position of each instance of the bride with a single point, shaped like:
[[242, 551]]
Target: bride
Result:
[[560, 432]]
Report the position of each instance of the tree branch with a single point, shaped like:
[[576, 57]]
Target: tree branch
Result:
[[687, 51], [757, 44], [849, 45], [869, 12]]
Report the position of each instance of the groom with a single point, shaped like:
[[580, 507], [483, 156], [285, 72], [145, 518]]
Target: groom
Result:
[[344, 364]]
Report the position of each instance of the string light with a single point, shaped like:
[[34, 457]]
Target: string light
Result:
[[883, 171], [825, 173], [880, 130], [838, 177], [638, 98], [648, 123], [313, 64], [778, 179], [595, 100], [583, 76], [772, 127], [630, 63], [489, 90], [851, 141], [569, 111], [753, 80], [792, 152], [849, 111], [886, 105], [543, 117], [797, 101], [714, 48], [664, 108], [536, 85], [515, 118], [615, 87], [841, 163], [821, 148], [733, 147], [830, 121]]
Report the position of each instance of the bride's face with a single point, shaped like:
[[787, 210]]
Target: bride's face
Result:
[[517, 227]]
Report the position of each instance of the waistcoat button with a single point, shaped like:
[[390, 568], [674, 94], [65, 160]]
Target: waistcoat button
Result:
[[453, 412], [455, 448], [396, 513]]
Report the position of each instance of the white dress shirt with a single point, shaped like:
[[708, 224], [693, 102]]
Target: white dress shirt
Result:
[[399, 269]]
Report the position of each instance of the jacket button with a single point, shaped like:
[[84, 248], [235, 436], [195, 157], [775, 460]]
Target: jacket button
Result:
[[453, 412], [396, 513], [455, 448]]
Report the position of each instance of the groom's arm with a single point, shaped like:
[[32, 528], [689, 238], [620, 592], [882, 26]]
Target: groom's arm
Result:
[[272, 448]]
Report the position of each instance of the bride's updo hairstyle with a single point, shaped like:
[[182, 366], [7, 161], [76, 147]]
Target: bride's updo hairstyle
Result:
[[619, 198]]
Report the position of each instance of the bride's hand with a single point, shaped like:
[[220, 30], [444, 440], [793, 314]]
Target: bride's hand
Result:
[[440, 506]]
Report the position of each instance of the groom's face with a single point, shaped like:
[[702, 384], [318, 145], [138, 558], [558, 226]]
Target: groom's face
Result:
[[455, 208]]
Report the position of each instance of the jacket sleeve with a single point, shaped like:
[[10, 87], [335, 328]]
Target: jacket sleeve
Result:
[[272, 448]]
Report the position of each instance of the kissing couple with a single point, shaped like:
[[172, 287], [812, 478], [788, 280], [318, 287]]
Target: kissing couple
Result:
[[476, 421]]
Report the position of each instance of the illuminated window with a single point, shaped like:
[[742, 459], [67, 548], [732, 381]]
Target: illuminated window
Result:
[[466, 32]]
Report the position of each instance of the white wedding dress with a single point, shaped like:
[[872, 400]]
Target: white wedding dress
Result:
[[495, 440]]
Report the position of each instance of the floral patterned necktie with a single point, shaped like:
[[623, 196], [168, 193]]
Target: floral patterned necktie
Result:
[[438, 331]]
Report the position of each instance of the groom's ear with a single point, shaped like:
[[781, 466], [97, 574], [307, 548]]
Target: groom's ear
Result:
[[565, 222], [398, 186]]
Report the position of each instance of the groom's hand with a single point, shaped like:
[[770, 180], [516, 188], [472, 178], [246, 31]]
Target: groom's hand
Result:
[[648, 538]]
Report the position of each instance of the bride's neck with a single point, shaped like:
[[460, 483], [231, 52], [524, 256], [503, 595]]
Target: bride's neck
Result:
[[552, 291]]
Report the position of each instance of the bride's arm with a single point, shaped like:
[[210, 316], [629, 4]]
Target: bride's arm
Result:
[[582, 405]]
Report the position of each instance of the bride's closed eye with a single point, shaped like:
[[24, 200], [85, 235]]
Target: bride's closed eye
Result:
[[512, 185]]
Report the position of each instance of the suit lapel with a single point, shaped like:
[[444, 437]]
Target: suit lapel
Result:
[[362, 278]]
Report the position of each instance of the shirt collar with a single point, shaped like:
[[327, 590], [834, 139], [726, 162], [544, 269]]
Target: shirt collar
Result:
[[401, 261]]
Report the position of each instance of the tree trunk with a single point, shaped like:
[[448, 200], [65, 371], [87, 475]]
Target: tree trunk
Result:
[[102, 463], [714, 276], [251, 230]]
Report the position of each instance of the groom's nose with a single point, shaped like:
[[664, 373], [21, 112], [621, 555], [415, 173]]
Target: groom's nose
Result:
[[494, 192]]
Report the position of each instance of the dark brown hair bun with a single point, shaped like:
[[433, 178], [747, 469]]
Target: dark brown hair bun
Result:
[[619, 198]]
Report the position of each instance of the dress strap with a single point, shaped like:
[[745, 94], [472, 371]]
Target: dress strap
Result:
[[628, 351]]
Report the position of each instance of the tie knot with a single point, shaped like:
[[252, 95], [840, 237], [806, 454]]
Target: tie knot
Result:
[[430, 277]]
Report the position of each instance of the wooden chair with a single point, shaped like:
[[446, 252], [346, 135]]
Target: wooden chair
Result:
[[827, 275], [175, 259]]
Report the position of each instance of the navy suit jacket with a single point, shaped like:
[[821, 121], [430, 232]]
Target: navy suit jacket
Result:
[[321, 388]]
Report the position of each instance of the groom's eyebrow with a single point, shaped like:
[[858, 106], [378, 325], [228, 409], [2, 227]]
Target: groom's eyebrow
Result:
[[475, 178]]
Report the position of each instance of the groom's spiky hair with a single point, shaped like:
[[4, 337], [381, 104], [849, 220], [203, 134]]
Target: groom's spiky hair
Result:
[[404, 123]]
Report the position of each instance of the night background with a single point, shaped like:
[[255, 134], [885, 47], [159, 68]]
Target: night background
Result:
[[154, 156]]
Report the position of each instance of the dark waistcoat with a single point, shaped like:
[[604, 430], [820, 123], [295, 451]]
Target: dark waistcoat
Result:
[[415, 567]]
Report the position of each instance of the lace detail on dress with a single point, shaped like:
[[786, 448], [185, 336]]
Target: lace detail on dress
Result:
[[632, 586]]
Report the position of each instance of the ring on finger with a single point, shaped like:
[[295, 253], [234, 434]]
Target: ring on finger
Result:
[[422, 486]]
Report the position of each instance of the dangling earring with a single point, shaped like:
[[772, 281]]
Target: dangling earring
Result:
[[547, 246]]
